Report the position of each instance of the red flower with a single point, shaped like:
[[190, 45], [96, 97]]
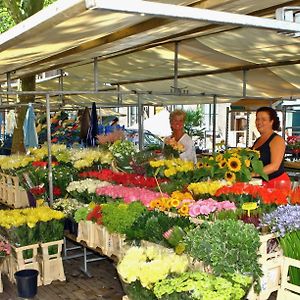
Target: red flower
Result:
[[37, 190], [56, 191], [42, 164], [95, 215]]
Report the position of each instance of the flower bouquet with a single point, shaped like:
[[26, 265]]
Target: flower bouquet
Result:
[[172, 148]]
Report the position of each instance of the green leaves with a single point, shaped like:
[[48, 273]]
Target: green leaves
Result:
[[227, 246], [258, 166]]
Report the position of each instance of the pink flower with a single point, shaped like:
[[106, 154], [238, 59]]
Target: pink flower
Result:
[[168, 233], [226, 205], [194, 210]]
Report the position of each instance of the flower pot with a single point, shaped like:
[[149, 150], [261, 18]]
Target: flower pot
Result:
[[27, 283]]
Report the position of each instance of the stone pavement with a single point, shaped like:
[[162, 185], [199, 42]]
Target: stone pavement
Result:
[[103, 285]]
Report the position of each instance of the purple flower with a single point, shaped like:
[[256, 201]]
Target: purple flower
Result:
[[286, 218]]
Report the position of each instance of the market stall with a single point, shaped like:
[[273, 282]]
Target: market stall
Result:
[[180, 205]]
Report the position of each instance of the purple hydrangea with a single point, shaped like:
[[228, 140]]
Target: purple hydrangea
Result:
[[286, 218]]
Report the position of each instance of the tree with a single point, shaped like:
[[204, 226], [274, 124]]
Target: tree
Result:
[[12, 13], [194, 121]]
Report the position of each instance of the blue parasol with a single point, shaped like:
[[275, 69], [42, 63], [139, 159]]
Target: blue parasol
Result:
[[93, 129], [29, 130]]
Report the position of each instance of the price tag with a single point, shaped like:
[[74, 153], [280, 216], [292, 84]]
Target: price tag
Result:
[[248, 206]]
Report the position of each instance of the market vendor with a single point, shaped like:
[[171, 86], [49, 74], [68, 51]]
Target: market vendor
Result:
[[177, 119], [271, 147]]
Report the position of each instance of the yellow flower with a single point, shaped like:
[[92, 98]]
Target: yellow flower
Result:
[[229, 176], [234, 164], [222, 163], [184, 210], [219, 157], [247, 163], [200, 164], [175, 202]]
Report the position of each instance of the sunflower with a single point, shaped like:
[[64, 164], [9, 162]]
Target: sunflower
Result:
[[229, 176], [223, 163], [200, 164], [219, 157], [175, 202], [155, 203], [184, 210], [234, 164]]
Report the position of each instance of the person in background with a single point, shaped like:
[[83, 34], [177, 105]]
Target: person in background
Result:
[[271, 147], [177, 119]]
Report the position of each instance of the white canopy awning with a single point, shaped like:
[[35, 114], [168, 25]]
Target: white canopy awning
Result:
[[135, 54]]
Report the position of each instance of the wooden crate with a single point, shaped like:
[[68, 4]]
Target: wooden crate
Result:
[[86, 233], [17, 262], [11, 193], [115, 245], [101, 236], [271, 261], [51, 264], [288, 291]]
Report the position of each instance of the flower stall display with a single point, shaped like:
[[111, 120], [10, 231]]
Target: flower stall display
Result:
[[127, 179], [85, 190], [157, 273], [90, 158], [152, 225], [68, 207], [118, 217], [148, 266], [227, 247], [63, 130], [285, 223], [129, 194], [232, 165], [28, 226], [122, 152], [293, 145]]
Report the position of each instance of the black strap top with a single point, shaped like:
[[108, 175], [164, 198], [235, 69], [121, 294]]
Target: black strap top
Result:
[[265, 156]]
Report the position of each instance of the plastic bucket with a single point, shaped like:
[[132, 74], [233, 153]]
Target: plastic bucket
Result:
[[27, 283]]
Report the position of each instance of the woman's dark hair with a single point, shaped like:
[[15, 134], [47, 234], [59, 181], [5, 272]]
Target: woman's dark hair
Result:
[[273, 116]]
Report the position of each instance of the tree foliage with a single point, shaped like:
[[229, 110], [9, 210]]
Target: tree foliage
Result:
[[194, 121]]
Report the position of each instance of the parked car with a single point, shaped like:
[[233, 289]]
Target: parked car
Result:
[[150, 140]]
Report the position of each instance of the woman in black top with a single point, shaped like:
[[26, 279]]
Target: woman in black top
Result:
[[271, 147]]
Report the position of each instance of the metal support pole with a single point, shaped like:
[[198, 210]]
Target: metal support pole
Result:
[[96, 82], [283, 121], [61, 86], [50, 175], [214, 123], [8, 88], [227, 127], [244, 83], [247, 129], [140, 122], [176, 67]]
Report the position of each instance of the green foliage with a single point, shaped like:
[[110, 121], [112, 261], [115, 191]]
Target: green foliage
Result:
[[118, 217], [81, 214], [193, 121], [151, 226], [137, 292], [227, 246], [198, 285]]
